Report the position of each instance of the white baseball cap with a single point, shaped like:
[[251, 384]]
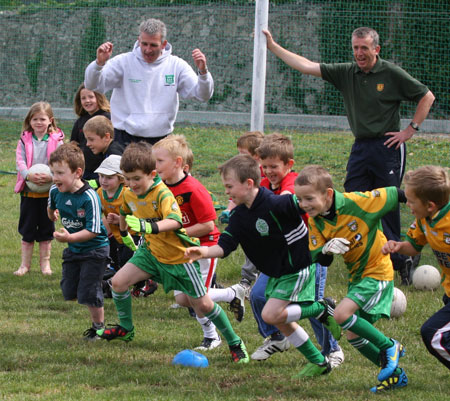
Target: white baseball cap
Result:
[[110, 166]]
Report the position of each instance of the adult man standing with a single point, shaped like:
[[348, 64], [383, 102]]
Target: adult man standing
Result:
[[146, 84], [372, 90]]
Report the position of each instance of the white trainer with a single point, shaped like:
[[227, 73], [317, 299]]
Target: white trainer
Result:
[[237, 305], [269, 347], [208, 344], [336, 358]]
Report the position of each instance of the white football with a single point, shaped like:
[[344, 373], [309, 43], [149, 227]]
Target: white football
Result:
[[398, 306], [39, 168], [426, 277]]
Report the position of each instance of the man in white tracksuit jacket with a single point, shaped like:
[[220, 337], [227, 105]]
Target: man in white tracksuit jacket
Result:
[[146, 83]]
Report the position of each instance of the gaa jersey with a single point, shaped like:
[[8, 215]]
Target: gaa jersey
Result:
[[196, 206], [358, 219], [436, 233], [112, 205], [156, 205], [271, 232], [286, 184], [79, 211]]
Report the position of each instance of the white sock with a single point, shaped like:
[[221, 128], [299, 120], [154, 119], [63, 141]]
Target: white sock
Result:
[[298, 337], [208, 327], [294, 312], [222, 294]]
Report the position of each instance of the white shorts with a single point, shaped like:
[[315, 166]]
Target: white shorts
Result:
[[207, 269]]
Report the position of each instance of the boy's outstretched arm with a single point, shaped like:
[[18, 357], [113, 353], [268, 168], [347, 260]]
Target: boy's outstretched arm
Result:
[[203, 252], [403, 247]]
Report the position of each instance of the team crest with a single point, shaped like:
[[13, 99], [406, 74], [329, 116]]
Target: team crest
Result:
[[376, 193], [380, 87], [262, 227], [447, 238], [81, 213], [353, 225], [132, 206], [313, 240], [155, 206], [179, 200], [175, 206], [170, 79]]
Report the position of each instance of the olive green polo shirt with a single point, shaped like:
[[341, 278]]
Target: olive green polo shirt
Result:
[[372, 100]]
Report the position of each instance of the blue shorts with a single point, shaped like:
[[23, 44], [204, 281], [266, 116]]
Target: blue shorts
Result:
[[82, 275]]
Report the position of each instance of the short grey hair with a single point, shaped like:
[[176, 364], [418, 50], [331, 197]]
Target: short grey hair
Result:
[[152, 27], [363, 32]]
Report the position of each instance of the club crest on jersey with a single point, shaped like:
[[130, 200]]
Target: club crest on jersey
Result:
[[262, 227], [175, 206], [313, 240], [447, 238], [170, 80], [132, 206], [376, 193], [155, 205], [380, 87], [81, 213], [353, 225], [179, 200]]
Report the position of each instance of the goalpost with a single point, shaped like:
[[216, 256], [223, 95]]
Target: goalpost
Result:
[[259, 66]]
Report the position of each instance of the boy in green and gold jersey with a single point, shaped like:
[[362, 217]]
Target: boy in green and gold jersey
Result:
[[350, 224]]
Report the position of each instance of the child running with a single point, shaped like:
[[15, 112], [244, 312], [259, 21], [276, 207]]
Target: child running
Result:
[[272, 234], [150, 208], [427, 191], [350, 224], [40, 137], [86, 257], [198, 215]]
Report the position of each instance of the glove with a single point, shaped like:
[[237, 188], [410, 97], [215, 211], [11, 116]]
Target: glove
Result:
[[224, 217], [128, 241], [337, 246], [139, 225], [93, 183]]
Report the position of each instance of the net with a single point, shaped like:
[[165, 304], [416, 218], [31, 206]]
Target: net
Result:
[[45, 47]]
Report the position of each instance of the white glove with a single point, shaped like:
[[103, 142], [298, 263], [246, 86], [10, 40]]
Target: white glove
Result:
[[337, 246]]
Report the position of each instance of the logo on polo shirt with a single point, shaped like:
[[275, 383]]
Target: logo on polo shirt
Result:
[[262, 227], [380, 87]]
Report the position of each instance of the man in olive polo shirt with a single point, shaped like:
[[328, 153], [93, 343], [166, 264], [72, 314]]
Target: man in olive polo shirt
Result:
[[373, 90]]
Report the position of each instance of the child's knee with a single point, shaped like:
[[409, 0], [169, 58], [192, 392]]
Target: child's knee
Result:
[[341, 315], [268, 316]]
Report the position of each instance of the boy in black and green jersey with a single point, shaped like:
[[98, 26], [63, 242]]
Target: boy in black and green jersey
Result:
[[350, 224], [150, 208]]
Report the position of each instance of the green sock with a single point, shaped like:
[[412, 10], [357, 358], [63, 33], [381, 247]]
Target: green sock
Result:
[[220, 319], [312, 310], [122, 300], [311, 353], [367, 349], [364, 329]]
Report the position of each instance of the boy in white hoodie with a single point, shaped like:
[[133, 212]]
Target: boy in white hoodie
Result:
[[146, 83]]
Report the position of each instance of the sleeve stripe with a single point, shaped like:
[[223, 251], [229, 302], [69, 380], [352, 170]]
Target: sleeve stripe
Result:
[[96, 208]]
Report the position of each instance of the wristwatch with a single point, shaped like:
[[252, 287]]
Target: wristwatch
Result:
[[203, 72], [414, 125]]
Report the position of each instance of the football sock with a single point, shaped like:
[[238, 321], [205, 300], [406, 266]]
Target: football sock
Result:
[[364, 329], [221, 294], [367, 349], [296, 312], [122, 300], [209, 330], [220, 319], [300, 340]]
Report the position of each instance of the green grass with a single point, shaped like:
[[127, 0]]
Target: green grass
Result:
[[43, 356]]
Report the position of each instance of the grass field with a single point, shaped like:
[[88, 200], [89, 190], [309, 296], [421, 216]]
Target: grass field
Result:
[[44, 357]]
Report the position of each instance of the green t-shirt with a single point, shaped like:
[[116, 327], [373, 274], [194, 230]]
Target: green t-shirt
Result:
[[372, 100]]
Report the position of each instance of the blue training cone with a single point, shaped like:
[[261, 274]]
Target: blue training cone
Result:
[[190, 358]]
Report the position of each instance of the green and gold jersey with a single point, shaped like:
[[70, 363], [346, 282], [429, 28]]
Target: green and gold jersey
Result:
[[159, 204], [358, 219], [436, 232]]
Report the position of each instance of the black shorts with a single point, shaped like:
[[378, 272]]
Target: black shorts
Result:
[[34, 224], [82, 275]]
